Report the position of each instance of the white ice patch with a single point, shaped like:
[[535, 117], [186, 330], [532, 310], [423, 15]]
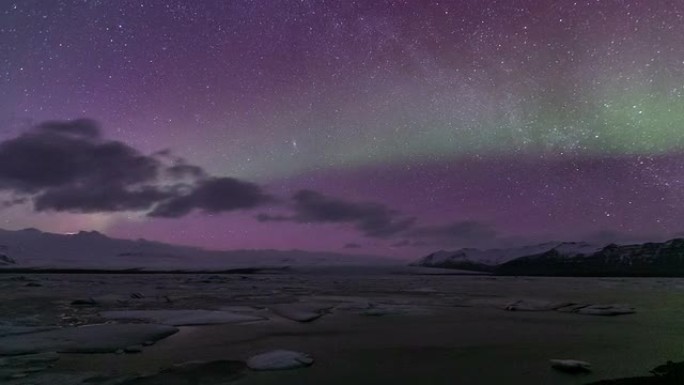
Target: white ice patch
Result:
[[301, 312], [571, 366], [279, 360], [103, 338]]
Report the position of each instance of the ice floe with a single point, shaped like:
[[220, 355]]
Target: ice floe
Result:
[[301, 312], [279, 360], [182, 317], [101, 338], [606, 310], [570, 366]]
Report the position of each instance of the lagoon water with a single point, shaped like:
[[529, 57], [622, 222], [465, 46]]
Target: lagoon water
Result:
[[377, 326]]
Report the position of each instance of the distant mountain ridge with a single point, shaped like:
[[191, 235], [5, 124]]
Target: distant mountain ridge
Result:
[[568, 259], [488, 260], [34, 249]]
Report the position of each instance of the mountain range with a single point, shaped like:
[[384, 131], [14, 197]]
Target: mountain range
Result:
[[568, 259], [91, 250], [32, 249]]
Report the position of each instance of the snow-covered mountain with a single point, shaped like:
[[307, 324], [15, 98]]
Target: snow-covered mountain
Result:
[[488, 260], [569, 259], [647, 259], [31, 248]]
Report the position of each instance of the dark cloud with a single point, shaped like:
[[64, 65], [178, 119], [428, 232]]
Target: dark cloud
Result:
[[372, 219], [68, 166], [99, 199], [352, 245], [179, 168], [409, 243], [213, 195], [262, 217], [13, 202], [463, 233], [85, 128], [402, 243], [182, 171], [57, 154]]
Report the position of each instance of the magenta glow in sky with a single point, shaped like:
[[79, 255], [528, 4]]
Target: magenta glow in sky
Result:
[[388, 127]]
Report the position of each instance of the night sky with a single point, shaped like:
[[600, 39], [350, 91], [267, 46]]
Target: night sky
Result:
[[384, 127]]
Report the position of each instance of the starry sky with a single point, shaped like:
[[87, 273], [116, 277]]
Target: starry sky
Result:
[[381, 127]]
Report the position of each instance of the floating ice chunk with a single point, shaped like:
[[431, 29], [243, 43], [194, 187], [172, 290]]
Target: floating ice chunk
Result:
[[182, 317], [103, 338], [279, 360], [300, 312], [606, 310], [571, 366]]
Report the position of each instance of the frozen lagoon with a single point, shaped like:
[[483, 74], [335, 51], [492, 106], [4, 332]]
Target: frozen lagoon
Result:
[[376, 326]]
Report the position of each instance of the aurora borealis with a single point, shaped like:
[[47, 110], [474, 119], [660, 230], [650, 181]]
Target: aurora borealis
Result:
[[412, 125]]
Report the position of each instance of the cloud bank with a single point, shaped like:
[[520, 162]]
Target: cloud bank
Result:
[[69, 166], [371, 219]]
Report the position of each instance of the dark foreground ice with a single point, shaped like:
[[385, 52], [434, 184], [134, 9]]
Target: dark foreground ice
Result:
[[337, 327]]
